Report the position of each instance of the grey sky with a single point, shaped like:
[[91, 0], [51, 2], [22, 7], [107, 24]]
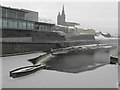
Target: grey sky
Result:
[[101, 16]]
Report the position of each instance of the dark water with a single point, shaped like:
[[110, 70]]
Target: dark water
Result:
[[82, 61]]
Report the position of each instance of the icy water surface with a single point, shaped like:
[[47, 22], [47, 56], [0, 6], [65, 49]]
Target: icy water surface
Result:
[[63, 69], [79, 62]]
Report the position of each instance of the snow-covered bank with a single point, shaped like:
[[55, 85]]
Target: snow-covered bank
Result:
[[101, 37], [1, 73], [102, 77], [119, 75], [107, 40]]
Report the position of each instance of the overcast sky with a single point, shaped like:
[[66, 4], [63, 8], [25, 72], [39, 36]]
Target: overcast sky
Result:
[[101, 16]]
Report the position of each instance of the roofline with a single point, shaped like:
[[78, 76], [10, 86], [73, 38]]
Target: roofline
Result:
[[17, 9], [45, 23]]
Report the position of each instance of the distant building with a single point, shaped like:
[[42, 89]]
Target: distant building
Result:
[[84, 31], [61, 19]]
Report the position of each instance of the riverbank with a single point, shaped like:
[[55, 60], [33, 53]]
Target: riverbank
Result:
[[102, 77], [119, 75]]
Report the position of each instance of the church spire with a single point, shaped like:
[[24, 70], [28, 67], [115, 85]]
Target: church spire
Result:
[[63, 11], [61, 17], [58, 13]]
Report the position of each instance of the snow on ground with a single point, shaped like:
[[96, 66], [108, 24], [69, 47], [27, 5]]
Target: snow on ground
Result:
[[119, 75], [100, 78], [103, 77], [101, 37], [0, 73]]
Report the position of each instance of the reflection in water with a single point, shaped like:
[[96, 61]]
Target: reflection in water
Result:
[[78, 62]]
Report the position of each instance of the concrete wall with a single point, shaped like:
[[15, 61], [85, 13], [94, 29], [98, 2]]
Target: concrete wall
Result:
[[14, 48], [8, 33], [36, 36], [47, 37], [80, 38], [16, 39]]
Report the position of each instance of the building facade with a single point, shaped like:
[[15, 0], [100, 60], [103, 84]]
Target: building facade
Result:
[[22, 32]]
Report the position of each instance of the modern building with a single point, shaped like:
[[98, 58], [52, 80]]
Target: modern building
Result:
[[61, 19], [21, 19], [23, 23], [23, 32]]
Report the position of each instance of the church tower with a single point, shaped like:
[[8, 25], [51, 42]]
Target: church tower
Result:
[[58, 19], [63, 15], [61, 18]]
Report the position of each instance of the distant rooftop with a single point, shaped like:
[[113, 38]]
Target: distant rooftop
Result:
[[46, 20]]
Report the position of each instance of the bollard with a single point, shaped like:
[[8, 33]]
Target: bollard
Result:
[[113, 60]]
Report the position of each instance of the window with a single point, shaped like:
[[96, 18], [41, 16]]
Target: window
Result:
[[30, 25], [3, 12], [10, 24], [20, 25], [49, 28], [45, 28], [4, 23], [24, 25], [37, 27], [15, 24], [20, 15], [0, 23], [11, 14], [42, 27]]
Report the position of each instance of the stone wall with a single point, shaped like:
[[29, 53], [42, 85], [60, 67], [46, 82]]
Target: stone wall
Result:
[[19, 48]]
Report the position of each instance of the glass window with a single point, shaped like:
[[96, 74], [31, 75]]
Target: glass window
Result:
[[24, 25], [4, 23], [37, 27], [48, 28], [42, 27], [15, 24], [0, 23], [32, 26], [21, 15], [20, 25], [11, 13], [10, 24], [3, 12], [28, 26]]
